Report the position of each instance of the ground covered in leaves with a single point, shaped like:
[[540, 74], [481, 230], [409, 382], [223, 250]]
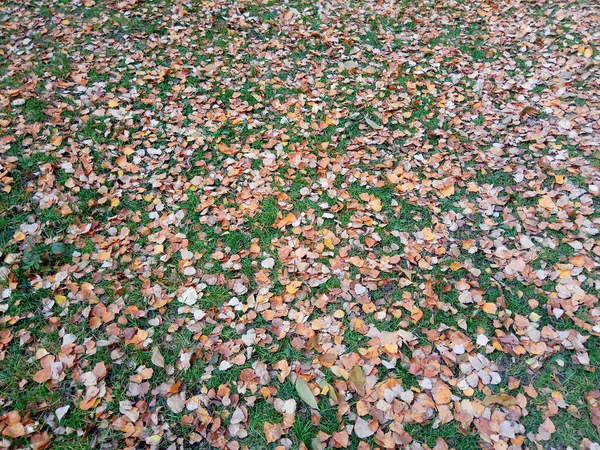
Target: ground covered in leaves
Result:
[[263, 224]]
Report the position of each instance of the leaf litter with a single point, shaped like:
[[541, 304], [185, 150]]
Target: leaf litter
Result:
[[227, 222]]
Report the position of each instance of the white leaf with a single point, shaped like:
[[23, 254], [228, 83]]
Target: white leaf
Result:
[[268, 263], [189, 296], [60, 412], [361, 429], [225, 365], [176, 403]]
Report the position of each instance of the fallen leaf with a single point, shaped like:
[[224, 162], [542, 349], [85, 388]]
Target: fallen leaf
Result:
[[546, 202], [157, 358], [362, 428], [61, 412], [176, 403], [293, 286], [357, 378], [376, 204], [305, 393], [273, 432]]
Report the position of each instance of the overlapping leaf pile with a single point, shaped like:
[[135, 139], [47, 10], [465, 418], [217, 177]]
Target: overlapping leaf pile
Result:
[[367, 224]]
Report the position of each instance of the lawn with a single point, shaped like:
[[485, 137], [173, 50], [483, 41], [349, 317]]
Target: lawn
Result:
[[362, 224]]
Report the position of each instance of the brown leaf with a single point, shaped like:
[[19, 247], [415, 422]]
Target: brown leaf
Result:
[[528, 111], [593, 401], [501, 399], [273, 432], [14, 428], [176, 403], [39, 441]]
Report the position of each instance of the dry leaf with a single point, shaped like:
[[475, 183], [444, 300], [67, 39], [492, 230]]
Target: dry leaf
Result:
[[273, 432], [362, 428], [157, 358]]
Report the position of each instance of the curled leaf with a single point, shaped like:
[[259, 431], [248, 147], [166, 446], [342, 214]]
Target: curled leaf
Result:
[[528, 111]]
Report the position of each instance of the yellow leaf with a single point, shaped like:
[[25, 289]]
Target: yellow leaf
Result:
[[501, 399], [19, 236], [158, 249], [392, 178], [588, 52], [357, 261], [357, 378], [272, 431], [293, 287], [546, 202], [428, 234], [455, 266], [223, 148], [60, 299], [114, 202], [113, 103], [560, 179], [327, 242], [153, 440]]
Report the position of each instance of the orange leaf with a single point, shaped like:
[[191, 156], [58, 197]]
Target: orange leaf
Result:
[[43, 375], [357, 261], [447, 191], [489, 308], [375, 204], [442, 394]]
